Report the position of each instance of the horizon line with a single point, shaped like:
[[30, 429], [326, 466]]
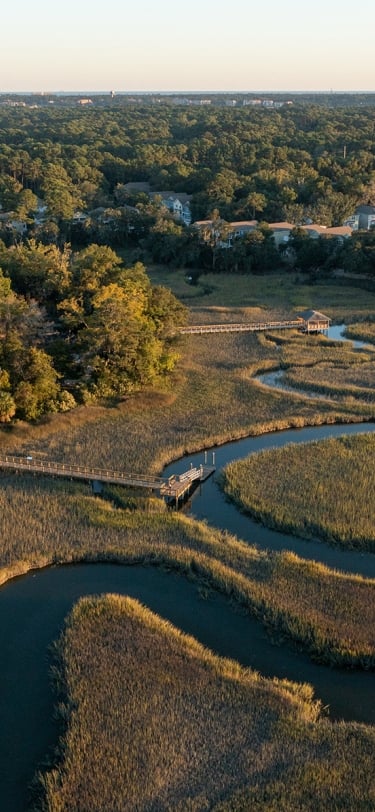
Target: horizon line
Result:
[[329, 91]]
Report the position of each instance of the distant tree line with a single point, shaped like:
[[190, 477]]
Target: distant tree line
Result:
[[300, 163], [79, 322], [285, 164]]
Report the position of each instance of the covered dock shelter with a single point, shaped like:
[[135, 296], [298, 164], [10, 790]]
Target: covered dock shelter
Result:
[[313, 322]]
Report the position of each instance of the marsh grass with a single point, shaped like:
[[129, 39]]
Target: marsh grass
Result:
[[154, 721], [281, 294], [323, 489], [364, 331], [336, 381], [212, 398], [313, 607]]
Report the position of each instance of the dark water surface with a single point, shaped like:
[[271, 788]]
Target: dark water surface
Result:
[[32, 612], [33, 608]]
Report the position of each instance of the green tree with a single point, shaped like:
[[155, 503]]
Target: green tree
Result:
[[38, 390], [61, 196], [7, 404], [125, 336], [256, 202], [26, 205], [37, 270]]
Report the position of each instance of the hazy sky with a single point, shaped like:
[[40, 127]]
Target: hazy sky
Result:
[[199, 45]]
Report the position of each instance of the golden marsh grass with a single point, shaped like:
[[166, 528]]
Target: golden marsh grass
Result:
[[323, 489], [305, 602], [155, 721], [212, 398]]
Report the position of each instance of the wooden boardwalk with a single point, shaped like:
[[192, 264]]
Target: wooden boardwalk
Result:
[[174, 487], [255, 327]]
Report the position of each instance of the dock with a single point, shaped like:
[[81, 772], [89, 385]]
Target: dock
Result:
[[178, 486]]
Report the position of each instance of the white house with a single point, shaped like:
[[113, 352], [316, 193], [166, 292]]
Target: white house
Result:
[[79, 217], [281, 231], [10, 223], [353, 222], [178, 203], [364, 216], [19, 226]]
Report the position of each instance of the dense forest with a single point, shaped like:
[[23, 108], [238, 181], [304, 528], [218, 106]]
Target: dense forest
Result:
[[278, 164], [78, 316]]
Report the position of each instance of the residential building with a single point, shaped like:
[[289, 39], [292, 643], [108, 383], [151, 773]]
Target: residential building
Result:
[[10, 223], [363, 218], [178, 203], [234, 230], [352, 221], [281, 231]]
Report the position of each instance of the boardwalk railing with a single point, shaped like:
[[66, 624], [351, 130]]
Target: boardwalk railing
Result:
[[242, 328], [80, 472], [174, 486], [190, 475]]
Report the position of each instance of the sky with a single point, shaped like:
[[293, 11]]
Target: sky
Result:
[[165, 45]]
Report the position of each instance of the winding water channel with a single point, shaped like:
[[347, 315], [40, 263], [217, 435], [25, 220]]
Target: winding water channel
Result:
[[33, 608]]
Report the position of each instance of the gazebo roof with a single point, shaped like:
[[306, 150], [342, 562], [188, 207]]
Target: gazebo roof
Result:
[[312, 315]]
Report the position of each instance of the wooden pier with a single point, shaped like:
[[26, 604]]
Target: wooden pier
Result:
[[309, 321], [173, 488], [255, 327]]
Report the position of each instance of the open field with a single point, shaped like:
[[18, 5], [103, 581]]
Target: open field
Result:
[[323, 489], [155, 721], [279, 294]]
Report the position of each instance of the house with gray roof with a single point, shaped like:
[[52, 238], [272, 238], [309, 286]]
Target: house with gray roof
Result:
[[363, 218], [178, 203]]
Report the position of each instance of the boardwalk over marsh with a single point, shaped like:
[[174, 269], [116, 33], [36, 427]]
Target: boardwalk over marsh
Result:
[[243, 327], [309, 321], [173, 487]]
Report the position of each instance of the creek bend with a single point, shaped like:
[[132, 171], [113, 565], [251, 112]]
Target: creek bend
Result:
[[209, 504], [33, 608], [32, 611]]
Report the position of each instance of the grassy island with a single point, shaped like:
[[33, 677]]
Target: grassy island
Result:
[[320, 489], [156, 721]]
